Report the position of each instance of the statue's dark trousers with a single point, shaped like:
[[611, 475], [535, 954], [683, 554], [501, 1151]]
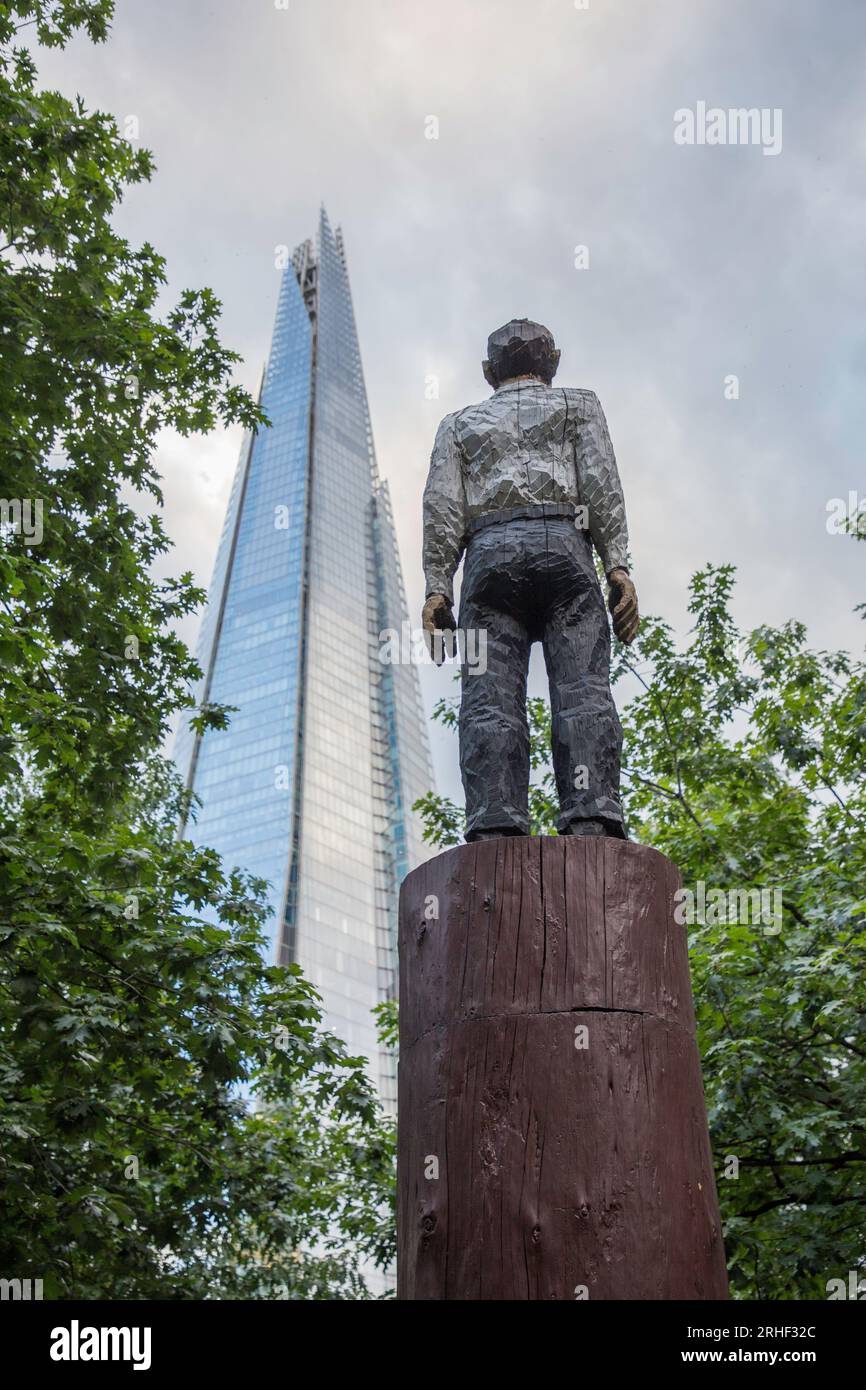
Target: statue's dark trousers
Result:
[[528, 581]]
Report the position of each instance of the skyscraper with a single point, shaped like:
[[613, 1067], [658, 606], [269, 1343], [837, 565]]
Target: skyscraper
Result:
[[312, 785]]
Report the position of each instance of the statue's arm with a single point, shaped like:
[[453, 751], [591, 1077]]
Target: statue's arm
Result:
[[600, 490], [599, 487], [444, 513]]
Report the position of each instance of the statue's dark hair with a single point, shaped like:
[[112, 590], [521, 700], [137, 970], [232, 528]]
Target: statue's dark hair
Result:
[[521, 348]]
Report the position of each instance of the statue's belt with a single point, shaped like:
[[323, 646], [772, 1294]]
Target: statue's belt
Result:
[[543, 511]]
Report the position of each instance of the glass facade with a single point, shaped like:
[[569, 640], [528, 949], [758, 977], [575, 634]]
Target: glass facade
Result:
[[312, 784]]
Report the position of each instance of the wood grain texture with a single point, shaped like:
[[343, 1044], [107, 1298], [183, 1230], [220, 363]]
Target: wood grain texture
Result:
[[552, 1130]]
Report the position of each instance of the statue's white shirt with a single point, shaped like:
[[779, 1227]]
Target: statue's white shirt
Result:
[[527, 445]]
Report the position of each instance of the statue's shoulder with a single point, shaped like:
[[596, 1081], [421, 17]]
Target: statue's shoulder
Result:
[[473, 408], [446, 426], [466, 417], [583, 402]]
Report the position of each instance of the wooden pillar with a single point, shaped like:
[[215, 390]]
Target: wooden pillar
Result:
[[552, 1129]]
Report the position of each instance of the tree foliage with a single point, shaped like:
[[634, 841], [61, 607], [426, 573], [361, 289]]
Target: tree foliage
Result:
[[744, 760], [136, 1012]]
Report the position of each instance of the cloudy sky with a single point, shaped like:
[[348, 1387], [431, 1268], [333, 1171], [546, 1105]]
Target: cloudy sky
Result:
[[555, 131]]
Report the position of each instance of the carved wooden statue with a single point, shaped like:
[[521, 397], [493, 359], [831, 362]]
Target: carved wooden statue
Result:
[[524, 485]]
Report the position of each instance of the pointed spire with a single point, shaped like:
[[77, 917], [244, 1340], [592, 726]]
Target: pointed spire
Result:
[[325, 232]]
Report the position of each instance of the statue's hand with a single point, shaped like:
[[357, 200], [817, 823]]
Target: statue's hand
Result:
[[622, 602], [438, 616]]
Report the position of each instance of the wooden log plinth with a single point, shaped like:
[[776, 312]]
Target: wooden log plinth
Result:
[[552, 1128]]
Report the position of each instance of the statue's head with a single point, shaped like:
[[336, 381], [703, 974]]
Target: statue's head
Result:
[[520, 348]]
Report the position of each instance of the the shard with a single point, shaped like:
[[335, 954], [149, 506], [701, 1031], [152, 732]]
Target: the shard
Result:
[[311, 786]]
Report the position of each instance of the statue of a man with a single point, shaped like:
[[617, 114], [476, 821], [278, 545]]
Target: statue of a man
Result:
[[525, 484]]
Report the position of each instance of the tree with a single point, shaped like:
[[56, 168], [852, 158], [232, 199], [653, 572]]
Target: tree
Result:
[[136, 1011], [744, 761]]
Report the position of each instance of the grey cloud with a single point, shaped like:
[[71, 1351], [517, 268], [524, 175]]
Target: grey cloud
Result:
[[556, 128]]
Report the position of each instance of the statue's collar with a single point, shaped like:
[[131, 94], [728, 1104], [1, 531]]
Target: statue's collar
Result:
[[520, 383]]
